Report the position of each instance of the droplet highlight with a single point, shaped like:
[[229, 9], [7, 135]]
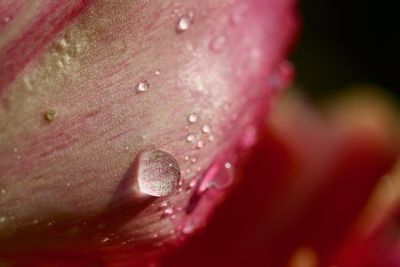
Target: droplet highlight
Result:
[[158, 172]]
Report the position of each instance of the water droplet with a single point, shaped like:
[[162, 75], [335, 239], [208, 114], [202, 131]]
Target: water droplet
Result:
[[164, 204], [168, 211], [184, 23], [211, 138], [143, 86], [194, 160], [192, 118], [6, 19], [50, 114], [190, 137], [157, 72], [187, 158], [217, 44], [206, 128], [188, 228], [158, 172], [105, 240], [219, 176], [3, 191], [2, 219], [249, 137], [200, 144], [238, 15]]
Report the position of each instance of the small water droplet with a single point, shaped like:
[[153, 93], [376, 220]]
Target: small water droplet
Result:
[[6, 19], [2, 219], [105, 240], [157, 171], [157, 72], [187, 158], [217, 44], [184, 23], [168, 211], [50, 114], [142, 86], [249, 137], [192, 118], [211, 138], [3, 191], [164, 204], [188, 228], [206, 128], [238, 15], [200, 144], [194, 160], [190, 138]]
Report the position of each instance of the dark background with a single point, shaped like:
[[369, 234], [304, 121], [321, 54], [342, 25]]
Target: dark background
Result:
[[348, 42]]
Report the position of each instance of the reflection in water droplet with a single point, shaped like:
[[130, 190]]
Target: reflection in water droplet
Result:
[[184, 23], [143, 86], [157, 171], [217, 44], [192, 118]]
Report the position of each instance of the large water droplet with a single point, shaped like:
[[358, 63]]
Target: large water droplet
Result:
[[158, 172], [184, 23], [143, 86]]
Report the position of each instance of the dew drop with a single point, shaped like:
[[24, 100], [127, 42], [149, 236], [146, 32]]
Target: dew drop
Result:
[[143, 86], [217, 44], [187, 158], [206, 128], [158, 172], [50, 114], [184, 23], [249, 137], [192, 118], [6, 19], [200, 144], [168, 211], [164, 204], [190, 138]]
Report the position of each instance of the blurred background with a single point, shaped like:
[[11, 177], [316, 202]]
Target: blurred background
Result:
[[347, 42]]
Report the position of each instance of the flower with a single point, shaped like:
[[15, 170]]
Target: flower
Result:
[[96, 94]]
